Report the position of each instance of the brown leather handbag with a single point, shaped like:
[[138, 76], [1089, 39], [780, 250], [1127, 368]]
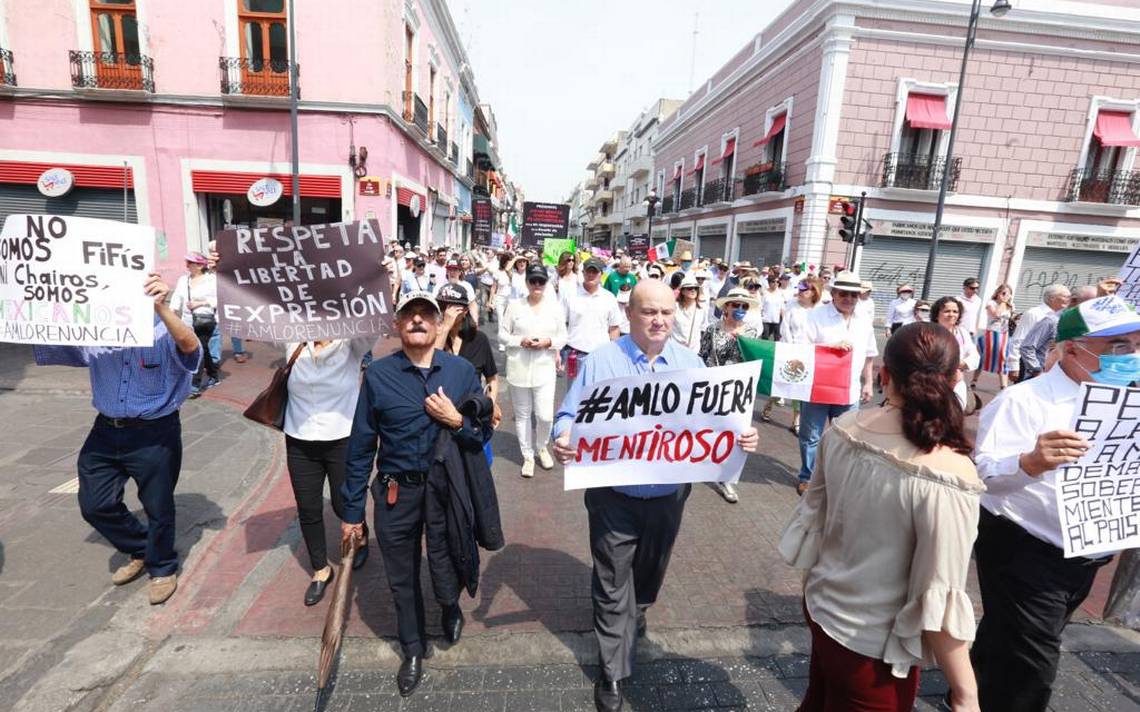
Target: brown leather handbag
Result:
[[268, 408]]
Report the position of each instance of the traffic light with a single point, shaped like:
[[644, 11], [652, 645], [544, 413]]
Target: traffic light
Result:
[[868, 234], [849, 221]]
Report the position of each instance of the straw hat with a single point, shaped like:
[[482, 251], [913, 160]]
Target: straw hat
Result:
[[736, 294]]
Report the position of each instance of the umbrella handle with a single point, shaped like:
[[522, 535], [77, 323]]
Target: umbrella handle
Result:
[[348, 548]]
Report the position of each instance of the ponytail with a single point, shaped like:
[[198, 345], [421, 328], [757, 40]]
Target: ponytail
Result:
[[922, 360]]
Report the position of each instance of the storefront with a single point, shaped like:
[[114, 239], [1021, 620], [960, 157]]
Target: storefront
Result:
[[56, 189], [712, 240], [251, 200], [440, 222], [1059, 254], [900, 251], [761, 242], [410, 207]]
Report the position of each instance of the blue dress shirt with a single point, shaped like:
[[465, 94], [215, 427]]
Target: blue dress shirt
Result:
[[391, 410], [614, 360], [132, 382]]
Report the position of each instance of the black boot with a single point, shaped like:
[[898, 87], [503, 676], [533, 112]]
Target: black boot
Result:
[[408, 678], [607, 695], [452, 622]]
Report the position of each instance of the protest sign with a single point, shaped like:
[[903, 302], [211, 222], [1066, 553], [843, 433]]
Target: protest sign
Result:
[[68, 281], [681, 246], [553, 247], [663, 428], [1098, 497], [638, 246], [542, 221], [303, 282], [1129, 291], [483, 217]]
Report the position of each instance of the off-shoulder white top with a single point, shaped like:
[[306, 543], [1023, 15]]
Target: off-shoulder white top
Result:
[[884, 533]]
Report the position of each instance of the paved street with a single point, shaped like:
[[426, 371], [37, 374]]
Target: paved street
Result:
[[726, 633]]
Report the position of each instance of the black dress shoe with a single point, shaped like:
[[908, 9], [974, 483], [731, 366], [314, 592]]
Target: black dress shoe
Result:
[[408, 678], [360, 556], [316, 590], [607, 695], [452, 622]]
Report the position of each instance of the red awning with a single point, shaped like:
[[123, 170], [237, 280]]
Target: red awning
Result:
[[238, 183], [926, 111], [676, 174], [404, 197], [729, 147], [85, 176], [778, 124], [700, 165], [1114, 128]]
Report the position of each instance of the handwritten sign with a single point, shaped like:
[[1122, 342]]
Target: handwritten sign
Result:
[[68, 281], [663, 428], [1129, 291], [1098, 497], [303, 282]]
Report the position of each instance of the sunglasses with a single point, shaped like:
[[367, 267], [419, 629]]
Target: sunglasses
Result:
[[536, 282], [655, 276], [738, 305], [753, 287]]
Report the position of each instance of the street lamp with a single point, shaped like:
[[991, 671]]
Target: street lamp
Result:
[[999, 9], [650, 205], [583, 223]]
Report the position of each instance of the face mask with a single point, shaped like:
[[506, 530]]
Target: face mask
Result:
[[686, 265], [1116, 370], [739, 314]]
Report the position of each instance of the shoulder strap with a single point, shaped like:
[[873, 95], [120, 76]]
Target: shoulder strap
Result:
[[296, 353]]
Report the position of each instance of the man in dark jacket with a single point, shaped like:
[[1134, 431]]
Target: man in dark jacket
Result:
[[405, 400]]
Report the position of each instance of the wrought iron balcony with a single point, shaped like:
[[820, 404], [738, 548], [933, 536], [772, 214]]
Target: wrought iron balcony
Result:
[[7, 68], [110, 70], [902, 170], [666, 205], [762, 178], [720, 190], [420, 117], [242, 76], [441, 137], [454, 153], [688, 198], [1115, 187]]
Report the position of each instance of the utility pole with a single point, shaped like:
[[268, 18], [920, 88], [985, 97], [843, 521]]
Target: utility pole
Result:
[[294, 95]]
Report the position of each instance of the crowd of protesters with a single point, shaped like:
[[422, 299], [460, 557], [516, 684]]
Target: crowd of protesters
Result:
[[923, 492]]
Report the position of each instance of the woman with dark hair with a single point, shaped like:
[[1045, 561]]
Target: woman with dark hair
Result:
[[884, 533], [947, 312], [569, 278]]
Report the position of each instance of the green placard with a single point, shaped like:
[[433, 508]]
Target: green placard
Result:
[[552, 249]]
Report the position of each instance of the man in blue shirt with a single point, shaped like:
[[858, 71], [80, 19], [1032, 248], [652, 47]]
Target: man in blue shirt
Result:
[[137, 435], [632, 529], [405, 400]]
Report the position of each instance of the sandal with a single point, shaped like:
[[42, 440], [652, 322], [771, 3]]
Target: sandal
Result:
[[241, 358]]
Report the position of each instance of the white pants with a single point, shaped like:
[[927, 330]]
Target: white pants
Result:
[[539, 401]]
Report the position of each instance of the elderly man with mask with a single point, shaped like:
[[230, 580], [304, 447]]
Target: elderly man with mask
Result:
[[632, 529], [1029, 589]]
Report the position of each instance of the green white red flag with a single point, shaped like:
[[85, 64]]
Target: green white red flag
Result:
[[804, 372]]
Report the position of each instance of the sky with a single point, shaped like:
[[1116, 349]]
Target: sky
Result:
[[561, 77]]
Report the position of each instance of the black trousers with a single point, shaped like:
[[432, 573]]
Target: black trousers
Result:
[[149, 453], [1029, 593], [209, 368], [400, 532], [771, 331], [631, 541], [310, 463]]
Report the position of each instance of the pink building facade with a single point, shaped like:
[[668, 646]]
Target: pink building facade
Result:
[[186, 105], [835, 99]]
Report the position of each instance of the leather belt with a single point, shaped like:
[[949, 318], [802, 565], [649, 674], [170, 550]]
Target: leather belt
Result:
[[405, 478], [131, 422]]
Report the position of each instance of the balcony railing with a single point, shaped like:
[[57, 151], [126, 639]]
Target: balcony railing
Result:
[[764, 178], [255, 77], [7, 68], [420, 117], [902, 170], [454, 153], [666, 205], [1116, 187], [109, 70], [688, 198], [717, 191], [441, 137]]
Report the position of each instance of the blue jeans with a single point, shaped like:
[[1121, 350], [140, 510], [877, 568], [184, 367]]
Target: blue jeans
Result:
[[814, 417], [216, 345]]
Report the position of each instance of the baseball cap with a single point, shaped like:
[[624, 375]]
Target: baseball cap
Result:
[[455, 293], [1106, 316], [595, 263], [452, 264], [785, 277], [537, 272], [414, 296]]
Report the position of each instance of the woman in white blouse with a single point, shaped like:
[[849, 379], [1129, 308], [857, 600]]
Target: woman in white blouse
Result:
[[884, 532], [569, 278], [692, 315], [501, 290], [533, 329], [900, 311], [947, 312], [793, 329], [195, 299]]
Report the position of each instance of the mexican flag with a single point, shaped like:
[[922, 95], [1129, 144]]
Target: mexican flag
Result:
[[804, 372], [659, 252]]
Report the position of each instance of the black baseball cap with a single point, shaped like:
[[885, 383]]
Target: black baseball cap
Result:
[[534, 271], [595, 263]]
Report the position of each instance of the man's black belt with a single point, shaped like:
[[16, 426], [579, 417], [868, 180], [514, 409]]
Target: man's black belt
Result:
[[132, 422], [405, 478]]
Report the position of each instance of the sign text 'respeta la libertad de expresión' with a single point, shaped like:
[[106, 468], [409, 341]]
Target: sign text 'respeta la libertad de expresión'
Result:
[[303, 282]]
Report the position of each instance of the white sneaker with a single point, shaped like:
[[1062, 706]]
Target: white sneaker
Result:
[[545, 460], [728, 491], [528, 467], [502, 348]]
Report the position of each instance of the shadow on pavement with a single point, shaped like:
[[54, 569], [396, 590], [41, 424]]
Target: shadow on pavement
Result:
[[194, 513]]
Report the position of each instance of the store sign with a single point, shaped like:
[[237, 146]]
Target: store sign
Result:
[[543, 220], [414, 205], [713, 230], [798, 205], [265, 192], [55, 182], [923, 231], [370, 185], [1073, 241], [680, 232], [835, 204], [752, 227]]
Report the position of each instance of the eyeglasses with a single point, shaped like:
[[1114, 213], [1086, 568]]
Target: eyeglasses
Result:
[[536, 282], [1117, 348], [738, 305], [654, 275], [837, 294], [753, 287]]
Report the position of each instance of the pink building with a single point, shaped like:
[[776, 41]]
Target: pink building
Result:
[[834, 99], [168, 113]]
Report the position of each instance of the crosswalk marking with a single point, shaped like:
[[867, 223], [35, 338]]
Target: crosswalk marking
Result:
[[69, 487]]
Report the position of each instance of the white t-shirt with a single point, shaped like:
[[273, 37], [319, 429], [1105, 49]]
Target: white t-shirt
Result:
[[206, 290], [589, 318], [323, 387], [971, 311], [688, 325], [771, 305], [826, 325], [436, 272]]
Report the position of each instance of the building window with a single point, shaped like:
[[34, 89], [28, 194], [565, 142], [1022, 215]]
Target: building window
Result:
[[1111, 138], [264, 34], [409, 47], [918, 161], [678, 176], [1107, 174], [431, 103], [115, 28]]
